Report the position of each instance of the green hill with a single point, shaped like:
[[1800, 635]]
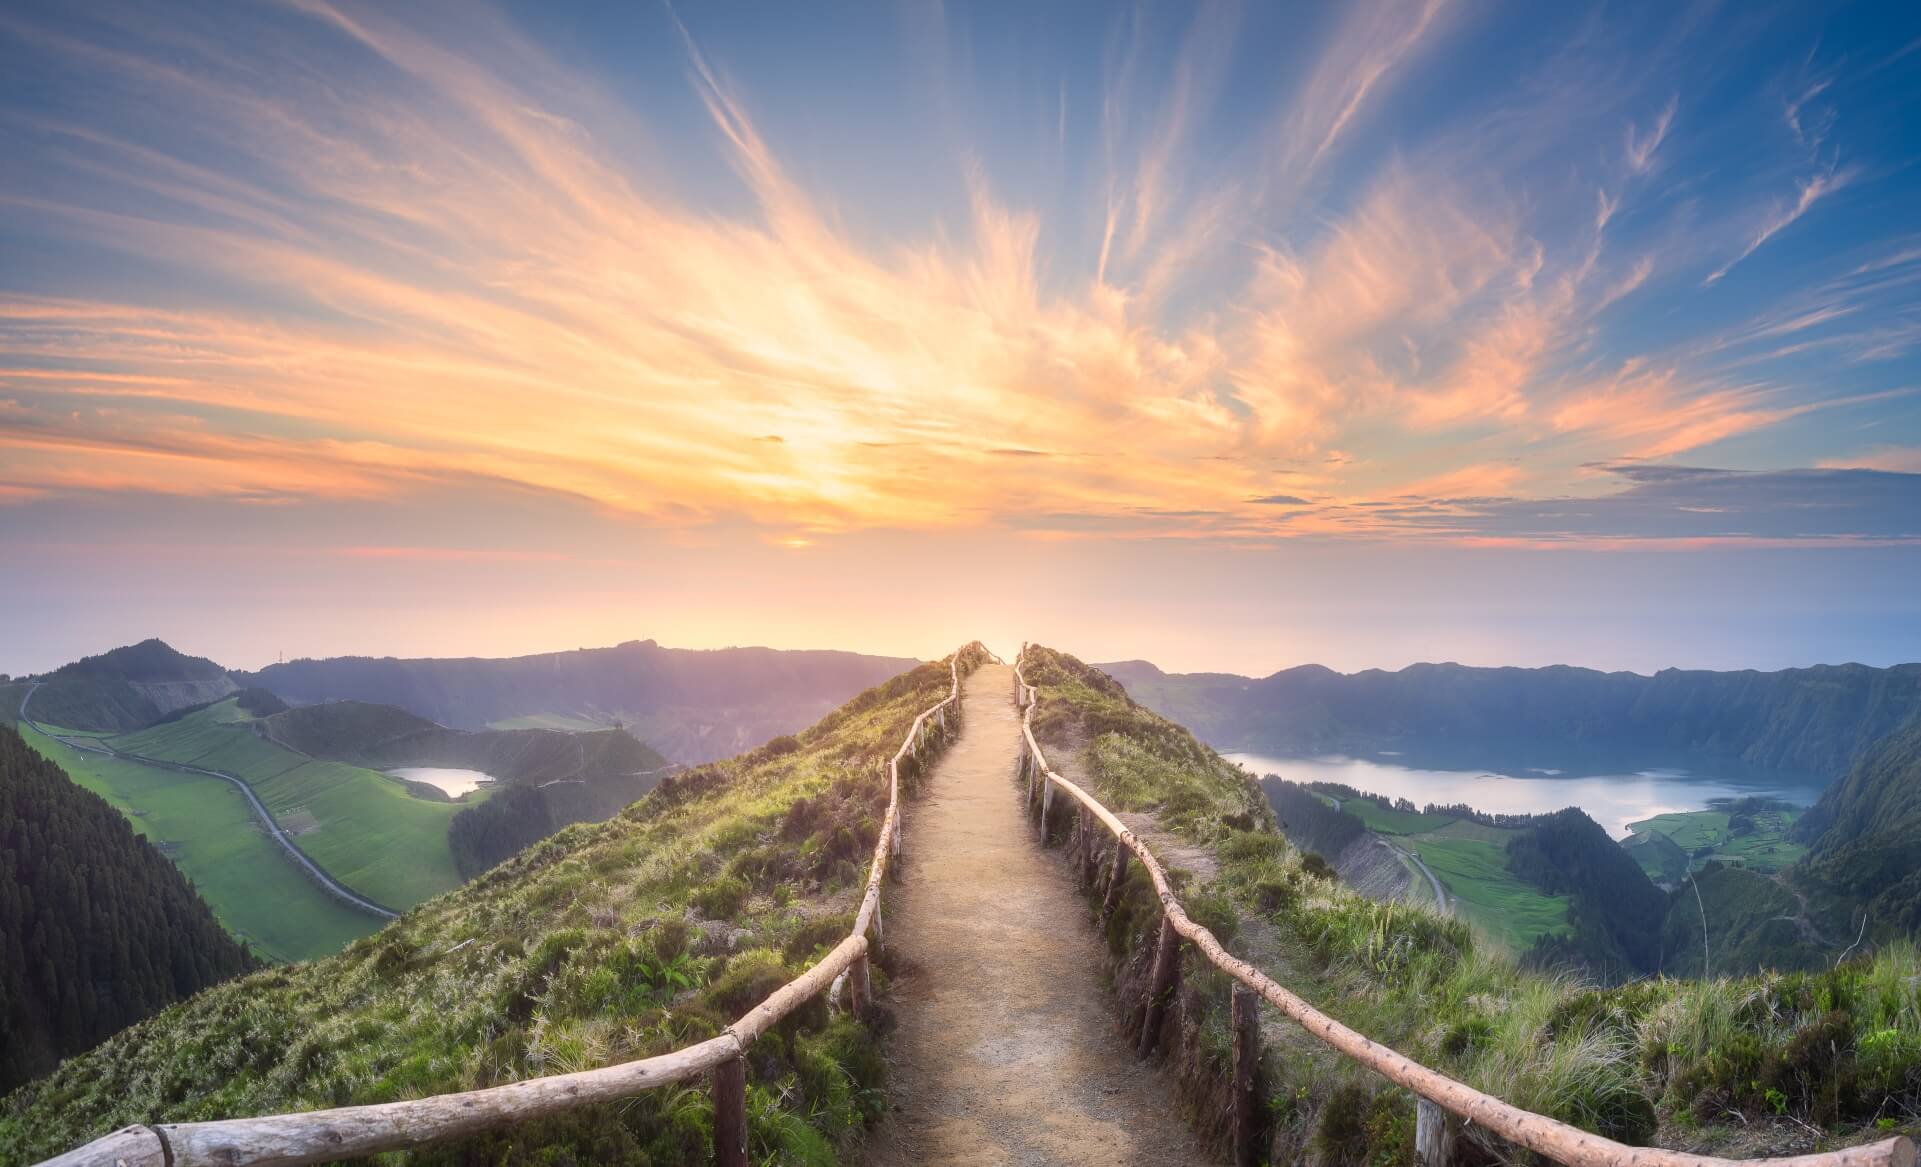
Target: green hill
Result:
[[99, 929], [127, 688], [604, 943], [693, 706]]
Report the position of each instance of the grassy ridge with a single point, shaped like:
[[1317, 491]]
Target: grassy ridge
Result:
[[205, 826], [1706, 1064], [363, 827], [601, 944]]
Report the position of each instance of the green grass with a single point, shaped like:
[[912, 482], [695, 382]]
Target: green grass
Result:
[[1765, 847], [1659, 856], [1690, 830], [1388, 821], [590, 948], [1488, 895], [205, 826], [367, 831]]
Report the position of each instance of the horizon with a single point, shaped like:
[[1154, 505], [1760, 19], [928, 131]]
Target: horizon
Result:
[[1005, 651], [1218, 335]]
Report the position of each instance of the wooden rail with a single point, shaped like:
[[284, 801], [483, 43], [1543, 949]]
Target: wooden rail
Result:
[[322, 1136], [1557, 1140]]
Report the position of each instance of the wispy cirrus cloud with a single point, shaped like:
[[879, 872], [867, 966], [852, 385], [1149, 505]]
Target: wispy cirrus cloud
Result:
[[396, 255]]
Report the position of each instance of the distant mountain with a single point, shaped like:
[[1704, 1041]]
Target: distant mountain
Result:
[[692, 705], [97, 929], [1813, 721], [127, 688]]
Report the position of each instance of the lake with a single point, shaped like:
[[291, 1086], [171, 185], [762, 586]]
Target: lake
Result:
[[1612, 799], [454, 781]]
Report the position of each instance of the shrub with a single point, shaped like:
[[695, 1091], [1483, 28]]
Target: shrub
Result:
[[721, 899]]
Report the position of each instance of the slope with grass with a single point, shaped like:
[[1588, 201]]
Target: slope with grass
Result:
[[604, 943], [205, 827], [128, 687], [364, 828], [1756, 833], [1761, 1065]]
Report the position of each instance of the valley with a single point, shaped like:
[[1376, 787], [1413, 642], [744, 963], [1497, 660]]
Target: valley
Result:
[[303, 828], [206, 828]]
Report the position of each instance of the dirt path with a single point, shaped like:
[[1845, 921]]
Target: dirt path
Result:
[[1007, 1050]]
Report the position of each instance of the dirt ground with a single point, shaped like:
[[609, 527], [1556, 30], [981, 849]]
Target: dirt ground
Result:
[[1006, 1050]]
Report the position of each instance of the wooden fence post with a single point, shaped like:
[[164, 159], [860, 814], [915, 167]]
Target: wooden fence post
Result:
[[730, 1113], [1247, 1059], [863, 990], [1433, 1142], [1047, 804], [1167, 963], [1090, 852], [1116, 875]]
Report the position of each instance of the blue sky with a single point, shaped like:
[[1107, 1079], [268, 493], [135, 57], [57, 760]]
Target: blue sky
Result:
[[1300, 332]]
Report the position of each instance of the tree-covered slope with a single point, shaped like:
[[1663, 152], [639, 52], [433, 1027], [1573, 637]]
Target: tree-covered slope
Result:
[[97, 928], [692, 705], [604, 943], [1614, 909], [1869, 844], [1814, 721]]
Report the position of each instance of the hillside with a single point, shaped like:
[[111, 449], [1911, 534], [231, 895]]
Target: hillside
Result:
[[127, 688], [383, 737], [548, 778], [1813, 721], [100, 929], [363, 828], [692, 705], [1729, 1065], [607, 942], [1868, 845]]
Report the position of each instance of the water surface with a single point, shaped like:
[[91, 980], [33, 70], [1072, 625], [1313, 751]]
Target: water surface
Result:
[[455, 782], [1612, 799]]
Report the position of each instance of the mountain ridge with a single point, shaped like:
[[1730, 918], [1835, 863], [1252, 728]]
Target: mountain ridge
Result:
[[1814, 721]]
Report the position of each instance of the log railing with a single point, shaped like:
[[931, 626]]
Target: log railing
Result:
[[322, 1136], [1436, 1092]]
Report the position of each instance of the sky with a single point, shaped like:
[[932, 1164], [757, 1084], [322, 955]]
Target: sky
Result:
[[1230, 336]]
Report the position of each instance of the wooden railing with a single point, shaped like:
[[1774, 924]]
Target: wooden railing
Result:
[[1435, 1092], [321, 1136]]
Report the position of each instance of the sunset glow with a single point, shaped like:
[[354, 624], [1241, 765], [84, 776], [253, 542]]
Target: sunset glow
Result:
[[639, 313]]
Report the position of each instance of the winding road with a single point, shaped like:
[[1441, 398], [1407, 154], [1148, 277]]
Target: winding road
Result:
[[1440, 893], [260, 811]]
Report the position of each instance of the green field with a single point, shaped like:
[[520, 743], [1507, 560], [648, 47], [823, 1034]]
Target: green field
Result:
[[205, 826], [1500, 903], [1763, 847], [1470, 860], [363, 827], [1388, 821]]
